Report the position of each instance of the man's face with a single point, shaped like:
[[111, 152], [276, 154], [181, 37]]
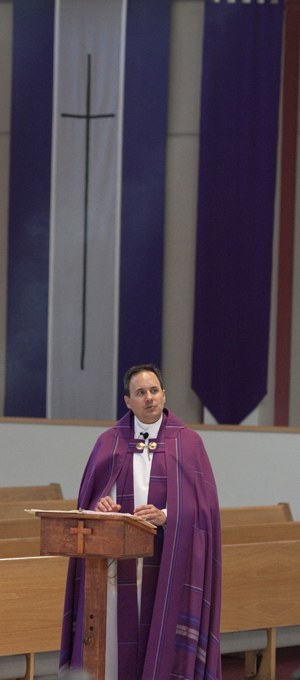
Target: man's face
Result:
[[146, 398]]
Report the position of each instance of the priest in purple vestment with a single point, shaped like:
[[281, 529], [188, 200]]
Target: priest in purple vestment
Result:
[[165, 620]]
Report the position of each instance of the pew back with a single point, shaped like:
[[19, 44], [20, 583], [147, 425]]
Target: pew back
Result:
[[16, 528], [16, 509], [19, 547], [256, 514], [257, 533], [29, 493], [31, 596], [261, 585]]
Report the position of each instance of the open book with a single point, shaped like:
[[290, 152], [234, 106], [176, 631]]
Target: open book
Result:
[[81, 511]]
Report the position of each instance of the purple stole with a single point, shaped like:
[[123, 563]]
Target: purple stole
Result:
[[133, 635]]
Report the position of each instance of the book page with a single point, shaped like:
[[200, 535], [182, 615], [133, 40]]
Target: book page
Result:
[[81, 511]]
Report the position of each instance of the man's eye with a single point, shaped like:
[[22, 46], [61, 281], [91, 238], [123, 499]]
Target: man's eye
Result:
[[154, 390]]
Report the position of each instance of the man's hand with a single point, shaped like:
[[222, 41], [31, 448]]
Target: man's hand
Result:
[[107, 504], [151, 514]]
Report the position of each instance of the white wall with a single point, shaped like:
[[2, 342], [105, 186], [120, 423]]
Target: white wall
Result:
[[252, 466]]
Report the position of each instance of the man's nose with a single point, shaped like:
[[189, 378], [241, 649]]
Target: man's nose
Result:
[[148, 395]]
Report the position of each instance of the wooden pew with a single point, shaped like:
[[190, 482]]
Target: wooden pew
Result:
[[261, 586], [31, 606], [28, 546], [256, 533], [20, 532], [256, 514], [16, 523], [16, 528], [16, 509], [23, 493], [261, 590]]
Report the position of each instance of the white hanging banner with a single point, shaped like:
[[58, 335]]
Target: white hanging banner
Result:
[[85, 208]]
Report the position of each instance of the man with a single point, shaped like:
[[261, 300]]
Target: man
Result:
[[164, 611]]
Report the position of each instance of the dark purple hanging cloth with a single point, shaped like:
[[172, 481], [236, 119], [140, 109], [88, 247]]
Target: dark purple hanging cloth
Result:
[[237, 174]]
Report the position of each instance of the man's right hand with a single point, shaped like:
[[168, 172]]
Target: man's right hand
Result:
[[107, 504]]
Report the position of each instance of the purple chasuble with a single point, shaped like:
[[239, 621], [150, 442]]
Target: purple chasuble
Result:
[[133, 638], [179, 630]]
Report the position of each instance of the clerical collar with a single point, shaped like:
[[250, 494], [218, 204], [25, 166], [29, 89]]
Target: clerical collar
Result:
[[151, 428]]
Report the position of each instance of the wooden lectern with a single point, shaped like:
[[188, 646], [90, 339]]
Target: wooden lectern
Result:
[[96, 538]]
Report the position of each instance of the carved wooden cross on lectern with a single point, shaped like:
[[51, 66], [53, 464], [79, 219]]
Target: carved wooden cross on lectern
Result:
[[87, 116], [81, 532]]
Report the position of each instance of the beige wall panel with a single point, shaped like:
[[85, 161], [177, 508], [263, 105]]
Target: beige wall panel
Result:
[[182, 163], [185, 65], [5, 63], [181, 206]]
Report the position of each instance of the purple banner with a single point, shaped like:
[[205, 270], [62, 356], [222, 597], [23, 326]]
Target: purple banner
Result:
[[238, 147], [29, 209], [143, 185]]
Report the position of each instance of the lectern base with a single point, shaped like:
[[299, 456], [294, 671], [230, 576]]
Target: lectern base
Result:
[[94, 627]]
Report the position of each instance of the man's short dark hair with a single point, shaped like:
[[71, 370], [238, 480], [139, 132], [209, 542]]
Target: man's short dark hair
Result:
[[138, 369]]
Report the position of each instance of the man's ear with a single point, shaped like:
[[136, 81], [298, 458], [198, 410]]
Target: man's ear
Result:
[[164, 396], [127, 400]]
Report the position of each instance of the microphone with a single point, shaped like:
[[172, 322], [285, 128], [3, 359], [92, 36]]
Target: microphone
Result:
[[145, 435]]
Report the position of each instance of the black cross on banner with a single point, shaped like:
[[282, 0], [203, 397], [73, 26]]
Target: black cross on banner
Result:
[[87, 116]]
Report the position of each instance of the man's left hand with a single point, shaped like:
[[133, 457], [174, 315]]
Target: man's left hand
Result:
[[151, 514]]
